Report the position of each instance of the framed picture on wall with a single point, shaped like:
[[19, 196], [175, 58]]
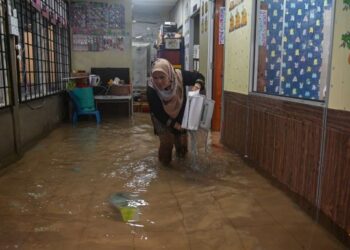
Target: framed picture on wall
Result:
[[172, 43]]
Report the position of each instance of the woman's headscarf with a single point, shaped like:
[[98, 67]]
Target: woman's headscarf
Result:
[[171, 99]]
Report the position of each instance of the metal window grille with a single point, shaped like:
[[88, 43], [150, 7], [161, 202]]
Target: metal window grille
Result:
[[45, 58], [5, 99]]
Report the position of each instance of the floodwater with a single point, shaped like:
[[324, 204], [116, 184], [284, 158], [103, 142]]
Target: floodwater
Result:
[[89, 187]]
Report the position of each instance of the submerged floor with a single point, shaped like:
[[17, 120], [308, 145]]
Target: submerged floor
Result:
[[58, 196]]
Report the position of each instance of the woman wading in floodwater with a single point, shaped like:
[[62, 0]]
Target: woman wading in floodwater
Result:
[[166, 94]]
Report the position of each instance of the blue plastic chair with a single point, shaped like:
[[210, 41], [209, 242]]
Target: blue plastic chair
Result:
[[83, 103]]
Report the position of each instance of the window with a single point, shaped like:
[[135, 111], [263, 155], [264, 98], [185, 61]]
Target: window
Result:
[[5, 99], [293, 43], [44, 39]]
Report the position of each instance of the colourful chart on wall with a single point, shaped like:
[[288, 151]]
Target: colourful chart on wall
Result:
[[97, 26], [293, 43], [222, 26], [238, 15], [204, 18]]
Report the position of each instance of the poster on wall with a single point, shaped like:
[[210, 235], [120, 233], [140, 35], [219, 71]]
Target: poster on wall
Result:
[[234, 4], [232, 23], [97, 26], [262, 29], [204, 18], [202, 25], [292, 49], [238, 15], [222, 25]]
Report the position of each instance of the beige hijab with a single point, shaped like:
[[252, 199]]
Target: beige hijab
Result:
[[171, 99]]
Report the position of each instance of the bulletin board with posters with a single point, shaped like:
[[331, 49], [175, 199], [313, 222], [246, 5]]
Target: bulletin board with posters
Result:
[[292, 43], [238, 15], [97, 26]]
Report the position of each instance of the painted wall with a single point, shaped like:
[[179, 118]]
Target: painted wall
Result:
[[205, 34], [87, 60], [203, 50], [340, 88], [193, 4], [237, 51], [186, 10], [177, 13], [7, 147], [40, 117], [36, 119]]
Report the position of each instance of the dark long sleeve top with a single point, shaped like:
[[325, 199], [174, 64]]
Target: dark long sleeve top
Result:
[[156, 107]]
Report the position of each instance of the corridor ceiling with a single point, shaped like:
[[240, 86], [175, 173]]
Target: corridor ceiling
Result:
[[149, 7]]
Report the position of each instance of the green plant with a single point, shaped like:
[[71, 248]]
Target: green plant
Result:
[[346, 40], [346, 37]]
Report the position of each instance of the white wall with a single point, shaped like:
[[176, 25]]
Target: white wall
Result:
[[205, 41], [193, 3], [177, 13]]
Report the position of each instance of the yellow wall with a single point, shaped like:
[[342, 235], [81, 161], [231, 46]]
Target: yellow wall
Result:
[[237, 52], [116, 58], [340, 75]]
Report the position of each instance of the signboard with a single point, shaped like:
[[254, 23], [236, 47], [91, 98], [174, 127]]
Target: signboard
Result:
[[262, 28], [222, 26]]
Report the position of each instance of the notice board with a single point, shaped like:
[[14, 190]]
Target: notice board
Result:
[[97, 26]]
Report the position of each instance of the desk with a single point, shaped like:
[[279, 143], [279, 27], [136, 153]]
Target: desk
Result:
[[115, 99]]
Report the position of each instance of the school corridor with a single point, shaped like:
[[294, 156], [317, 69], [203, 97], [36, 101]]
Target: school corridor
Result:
[[63, 194], [273, 173]]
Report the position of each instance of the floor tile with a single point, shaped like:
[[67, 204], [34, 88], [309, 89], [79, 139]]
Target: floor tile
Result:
[[162, 240], [313, 237], [267, 237], [225, 238], [244, 210]]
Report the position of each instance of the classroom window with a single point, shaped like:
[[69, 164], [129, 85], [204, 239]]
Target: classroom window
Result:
[[44, 38], [5, 99], [293, 45]]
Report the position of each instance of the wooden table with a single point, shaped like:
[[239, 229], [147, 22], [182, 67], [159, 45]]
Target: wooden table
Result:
[[116, 99]]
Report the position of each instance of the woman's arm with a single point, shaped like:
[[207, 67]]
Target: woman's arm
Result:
[[193, 79], [156, 108]]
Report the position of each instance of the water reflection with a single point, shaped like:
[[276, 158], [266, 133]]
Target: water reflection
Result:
[[80, 182]]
